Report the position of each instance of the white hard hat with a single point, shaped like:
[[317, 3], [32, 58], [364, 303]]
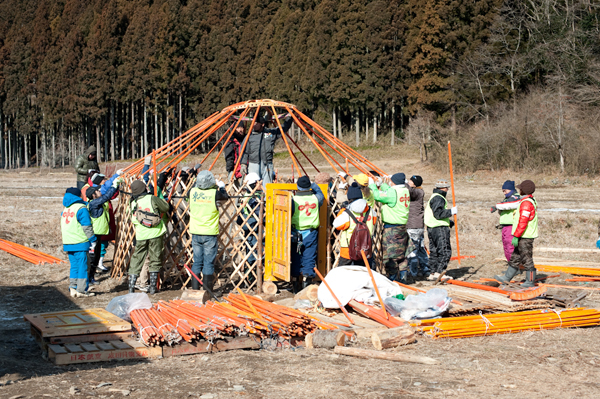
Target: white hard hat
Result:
[[251, 178]]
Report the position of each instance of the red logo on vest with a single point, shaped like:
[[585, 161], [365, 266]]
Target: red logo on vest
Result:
[[405, 199], [308, 207], [68, 215]]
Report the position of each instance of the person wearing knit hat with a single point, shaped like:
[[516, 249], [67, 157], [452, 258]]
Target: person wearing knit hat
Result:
[[306, 204], [395, 200], [77, 238], [507, 209], [146, 208], [348, 218], [85, 163], [204, 200], [437, 218], [524, 231], [418, 260]]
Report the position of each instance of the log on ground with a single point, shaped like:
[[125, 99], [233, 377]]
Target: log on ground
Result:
[[393, 337], [327, 339], [392, 356]]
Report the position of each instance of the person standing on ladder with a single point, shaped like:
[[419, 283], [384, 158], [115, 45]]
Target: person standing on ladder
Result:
[[204, 226], [438, 222], [146, 215], [306, 204], [507, 211], [524, 231], [78, 238], [395, 200]]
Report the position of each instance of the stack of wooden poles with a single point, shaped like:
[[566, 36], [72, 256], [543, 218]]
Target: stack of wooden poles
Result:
[[170, 321], [506, 323], [29, 254]]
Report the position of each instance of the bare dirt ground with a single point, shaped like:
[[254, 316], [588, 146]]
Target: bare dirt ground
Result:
[[559, 363]]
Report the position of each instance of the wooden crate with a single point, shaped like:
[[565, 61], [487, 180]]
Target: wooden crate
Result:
[[100, 351], [76, 322]]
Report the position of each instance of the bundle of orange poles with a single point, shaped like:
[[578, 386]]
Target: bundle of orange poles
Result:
[[582, 271], [506, 323], [29, 254], [171, 321]]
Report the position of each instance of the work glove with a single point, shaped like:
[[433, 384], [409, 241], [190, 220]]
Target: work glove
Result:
[[116, 182], [371, 181], [148, 160], [119, 172], [220, 184], [89, 170], [244, 169], [454, 210], [378, 181], [342, 186], [493, 209], [197, 166], [598, 243], [515, 242], [342, 175]]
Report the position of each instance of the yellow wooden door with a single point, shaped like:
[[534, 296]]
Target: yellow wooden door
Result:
[[279, 229]]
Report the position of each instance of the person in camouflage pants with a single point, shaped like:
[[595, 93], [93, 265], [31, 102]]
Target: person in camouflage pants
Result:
[[395, 240]]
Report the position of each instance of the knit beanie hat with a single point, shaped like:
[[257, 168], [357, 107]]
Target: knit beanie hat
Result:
[[399, 178], [418, 180], [354, 192], [322, 178], [75, 191], [97, 178], [509, 185], [303, 183], [361, 179], [137, 188], [205, 180], [89, 193], [527, 187]]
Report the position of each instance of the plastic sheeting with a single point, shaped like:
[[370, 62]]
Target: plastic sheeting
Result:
[[354, 282]]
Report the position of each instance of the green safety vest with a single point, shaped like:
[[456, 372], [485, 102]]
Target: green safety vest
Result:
[[507, 217], [398, 213], [142, 232], [72, 232], [430, 220], [347, 234], [204, 215], [306, 212], [100, 224], [532, 227]]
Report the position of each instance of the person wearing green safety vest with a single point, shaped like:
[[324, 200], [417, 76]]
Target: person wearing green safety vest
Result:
[[438, 220], [77, 238], [507, 209], [395, 200], [98, 207], [149, 240], [524, 231], [306, 204], [204, 200]]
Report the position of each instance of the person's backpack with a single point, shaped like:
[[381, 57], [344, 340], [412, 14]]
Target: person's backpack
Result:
[[360, 239], [146, 218]]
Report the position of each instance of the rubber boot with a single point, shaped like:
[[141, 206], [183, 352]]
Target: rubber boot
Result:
[[307, 281], [508, 275], [529, 279], [195, 284], [208, 280], [152, 284], [405, 277], [296, 284], [131, 283]]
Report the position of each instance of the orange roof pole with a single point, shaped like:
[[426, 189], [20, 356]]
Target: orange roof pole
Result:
[[294, 160], [387, 316], [302, 152], [228, 138], [321, 150], [453, 201]]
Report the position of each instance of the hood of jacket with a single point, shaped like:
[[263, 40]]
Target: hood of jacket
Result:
[[90, 150], [70, 199]]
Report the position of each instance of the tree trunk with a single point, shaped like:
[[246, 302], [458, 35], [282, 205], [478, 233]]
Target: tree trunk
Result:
[[147, 151], [98, 146], [156, 143], [339, 124], [133, 138], [334, 123], [9, 149], [54, 150], [112, 130], [366, 126], [167, 121], [37, 151], [121, 130], [375, 128], [357, 125], [393, 139]]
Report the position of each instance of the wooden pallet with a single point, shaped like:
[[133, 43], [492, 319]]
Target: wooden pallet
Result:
[[76, 322], [101, 351], [190, 348]]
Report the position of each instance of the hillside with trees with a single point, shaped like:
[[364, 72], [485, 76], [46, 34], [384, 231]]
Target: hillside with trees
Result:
[[515, 83]]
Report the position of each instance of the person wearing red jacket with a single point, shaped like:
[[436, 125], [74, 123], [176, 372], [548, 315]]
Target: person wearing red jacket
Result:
[[524, 231]]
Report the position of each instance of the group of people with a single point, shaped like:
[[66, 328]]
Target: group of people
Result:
[[87, 221]]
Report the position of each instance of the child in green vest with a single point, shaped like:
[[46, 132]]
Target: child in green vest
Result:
[[507, 210]]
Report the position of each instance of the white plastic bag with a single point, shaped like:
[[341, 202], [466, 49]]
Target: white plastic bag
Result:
[[430, 304], [122, 305]]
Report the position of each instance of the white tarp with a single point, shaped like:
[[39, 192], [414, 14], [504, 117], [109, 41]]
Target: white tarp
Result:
[[354, 282]]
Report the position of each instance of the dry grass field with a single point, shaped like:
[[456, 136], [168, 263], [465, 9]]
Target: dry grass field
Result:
[[537, 364]]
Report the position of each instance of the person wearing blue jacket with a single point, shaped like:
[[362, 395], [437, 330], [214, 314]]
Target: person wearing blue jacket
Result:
[[104, 186], [98, 208], [77, 237]]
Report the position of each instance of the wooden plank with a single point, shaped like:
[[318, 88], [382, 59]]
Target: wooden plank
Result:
[[236, 343], [91, 338], [120, 344], [105, 355], [186, 348], [190, 348], [57, 349], [77, 322], [73, 348], [105, 346], [89, 347]]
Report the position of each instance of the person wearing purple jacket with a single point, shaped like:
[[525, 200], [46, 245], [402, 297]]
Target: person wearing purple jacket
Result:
[[507, 209]]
